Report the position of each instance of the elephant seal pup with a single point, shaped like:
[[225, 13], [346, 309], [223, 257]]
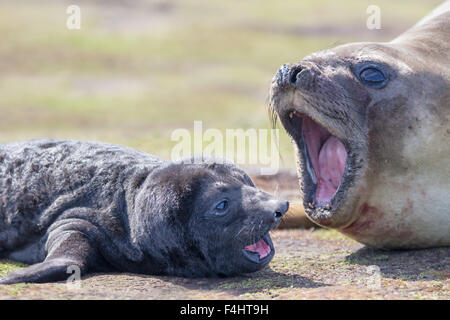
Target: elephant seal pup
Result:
[[104, 207], [369, 124]]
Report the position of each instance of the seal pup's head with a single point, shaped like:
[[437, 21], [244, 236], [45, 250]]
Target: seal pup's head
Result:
[[369, 125], [204, 219]]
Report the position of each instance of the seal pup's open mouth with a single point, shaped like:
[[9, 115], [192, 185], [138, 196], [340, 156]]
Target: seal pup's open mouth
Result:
[[261, 251]]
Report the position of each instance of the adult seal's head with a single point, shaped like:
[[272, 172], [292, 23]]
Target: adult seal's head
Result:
[[370, 126], [205, 219]]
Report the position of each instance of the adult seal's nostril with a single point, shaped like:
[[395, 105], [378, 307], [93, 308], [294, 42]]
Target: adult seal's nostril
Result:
[[303, 76], [294, 74], [298, 76]]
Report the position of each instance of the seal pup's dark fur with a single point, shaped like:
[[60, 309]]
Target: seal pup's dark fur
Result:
[[104, 207]]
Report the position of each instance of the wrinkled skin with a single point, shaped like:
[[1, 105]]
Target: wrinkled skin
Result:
[[390, 127], [102, 207]]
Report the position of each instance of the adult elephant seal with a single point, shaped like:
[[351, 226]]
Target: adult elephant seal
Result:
[[103, 208], [370, 126]]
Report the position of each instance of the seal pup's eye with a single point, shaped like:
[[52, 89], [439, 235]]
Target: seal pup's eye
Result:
[[221, 208], [372, 76]]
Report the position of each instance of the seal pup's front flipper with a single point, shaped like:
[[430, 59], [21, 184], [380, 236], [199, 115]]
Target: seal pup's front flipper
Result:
[[65, 249], [47, 271]]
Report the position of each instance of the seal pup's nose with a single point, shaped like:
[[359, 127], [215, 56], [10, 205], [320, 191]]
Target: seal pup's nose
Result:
[[281, 210]]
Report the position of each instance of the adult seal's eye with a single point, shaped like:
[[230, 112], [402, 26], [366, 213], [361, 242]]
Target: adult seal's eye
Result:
[[373, 77], [221, 207]]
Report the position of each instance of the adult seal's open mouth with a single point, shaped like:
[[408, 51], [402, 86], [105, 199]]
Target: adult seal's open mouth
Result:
[[369, 124]]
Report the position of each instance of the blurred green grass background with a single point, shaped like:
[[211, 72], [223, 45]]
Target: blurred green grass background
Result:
[[137, 70]]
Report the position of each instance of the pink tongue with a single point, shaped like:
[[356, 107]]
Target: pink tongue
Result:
[[260, 247], [332, 158]]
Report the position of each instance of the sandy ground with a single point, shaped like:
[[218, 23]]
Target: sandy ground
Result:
[[309, 264]]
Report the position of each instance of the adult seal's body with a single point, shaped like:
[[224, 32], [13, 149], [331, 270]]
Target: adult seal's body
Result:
[[370, 126], [103, 207]]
